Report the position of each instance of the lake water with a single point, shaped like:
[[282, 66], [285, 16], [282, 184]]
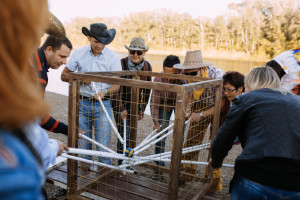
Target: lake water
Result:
[[57, 86]]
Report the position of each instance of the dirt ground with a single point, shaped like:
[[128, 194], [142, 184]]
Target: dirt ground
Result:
[[59, 107]]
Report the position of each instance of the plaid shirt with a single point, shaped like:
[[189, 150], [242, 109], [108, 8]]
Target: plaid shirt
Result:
[[163, 100]]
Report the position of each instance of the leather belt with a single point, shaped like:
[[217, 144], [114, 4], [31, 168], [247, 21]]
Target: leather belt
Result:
[[92, 98]]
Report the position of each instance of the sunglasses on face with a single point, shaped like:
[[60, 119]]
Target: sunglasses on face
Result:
[[132, 52], [227, 90], [191, 73]]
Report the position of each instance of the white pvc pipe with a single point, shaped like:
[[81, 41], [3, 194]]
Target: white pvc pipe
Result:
[[153, 137], [95, 153], [96, 163], [157, 140], [164, 155], [97, 143], [107, 115], [145, 140], [124, 134]]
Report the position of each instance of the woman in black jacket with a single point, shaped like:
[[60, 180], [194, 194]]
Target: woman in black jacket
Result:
[[266, 120]]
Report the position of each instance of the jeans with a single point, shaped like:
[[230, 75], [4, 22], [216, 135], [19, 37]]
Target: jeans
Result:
[[164, 120], [244, 189], [92, 115]]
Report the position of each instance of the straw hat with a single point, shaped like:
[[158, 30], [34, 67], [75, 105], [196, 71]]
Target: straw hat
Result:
[[137, 43], [192, 60]]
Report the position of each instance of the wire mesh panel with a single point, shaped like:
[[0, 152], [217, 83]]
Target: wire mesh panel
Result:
[[140, 142]]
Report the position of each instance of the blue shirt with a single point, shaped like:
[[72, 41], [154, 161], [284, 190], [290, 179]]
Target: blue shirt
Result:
[[83, 60], [21, 177]]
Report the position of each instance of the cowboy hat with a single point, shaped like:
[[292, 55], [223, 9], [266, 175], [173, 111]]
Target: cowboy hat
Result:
[[55, 27], [137, 43], [192, 60], [100, 33]]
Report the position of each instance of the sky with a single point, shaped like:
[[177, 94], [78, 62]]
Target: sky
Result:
[[65, 10]]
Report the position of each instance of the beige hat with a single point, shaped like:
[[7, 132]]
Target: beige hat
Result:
[[192, 60], [137, 43]]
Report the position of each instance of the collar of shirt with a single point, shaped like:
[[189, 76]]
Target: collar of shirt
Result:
[[102, 52]]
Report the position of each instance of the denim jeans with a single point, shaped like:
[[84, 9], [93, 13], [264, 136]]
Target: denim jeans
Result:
[[244, 189], [164, 120], [92, 115]]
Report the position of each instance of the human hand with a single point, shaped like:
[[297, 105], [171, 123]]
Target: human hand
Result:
[[87, 82], [124, 115], [80, 133], [141, 115], [195, 117], [61, 147], [156, 126], [100, 94]]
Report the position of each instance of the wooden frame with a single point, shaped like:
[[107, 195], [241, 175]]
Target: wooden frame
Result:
[[181, 102]]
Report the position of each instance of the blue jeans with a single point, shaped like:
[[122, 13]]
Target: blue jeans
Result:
[[244, 189], [164, 120], [92, 115]]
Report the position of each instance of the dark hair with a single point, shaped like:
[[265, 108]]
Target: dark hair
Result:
[[234, 78], [278, 69], [171, 60], [56, 43]]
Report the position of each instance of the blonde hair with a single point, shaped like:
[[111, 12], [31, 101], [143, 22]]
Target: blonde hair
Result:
[[21, 99], [263, 77]]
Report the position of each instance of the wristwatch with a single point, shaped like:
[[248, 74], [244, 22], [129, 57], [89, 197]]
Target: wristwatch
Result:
[[201, 115]]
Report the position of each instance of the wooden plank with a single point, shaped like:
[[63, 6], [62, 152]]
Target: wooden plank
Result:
[[95, 181], [173, 76], [112, 73], [59, 176], [72, 133], [129, 82], [200, 85], [181, 102], [202, 191]]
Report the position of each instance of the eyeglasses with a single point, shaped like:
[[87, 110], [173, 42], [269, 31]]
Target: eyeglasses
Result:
[[227, 90], [132, 52], [191, 73]]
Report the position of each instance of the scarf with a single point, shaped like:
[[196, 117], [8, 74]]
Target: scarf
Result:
[[135, 67]]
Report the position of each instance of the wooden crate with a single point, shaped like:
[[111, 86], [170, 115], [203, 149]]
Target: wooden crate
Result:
[[170, 189]]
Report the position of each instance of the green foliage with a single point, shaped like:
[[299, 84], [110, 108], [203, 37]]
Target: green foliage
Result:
[[254, 27]]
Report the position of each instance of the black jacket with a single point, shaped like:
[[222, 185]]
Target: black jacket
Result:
[[267, 124]]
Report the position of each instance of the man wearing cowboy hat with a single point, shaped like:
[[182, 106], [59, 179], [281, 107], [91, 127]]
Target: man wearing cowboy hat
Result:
[[135, 61], [95, 57], [193, 65]]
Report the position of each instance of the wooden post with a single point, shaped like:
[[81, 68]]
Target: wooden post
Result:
[[72, 135], [218, 99], [134, 112], [181, 102]]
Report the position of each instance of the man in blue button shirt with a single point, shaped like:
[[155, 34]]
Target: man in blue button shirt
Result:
[[95, 57]]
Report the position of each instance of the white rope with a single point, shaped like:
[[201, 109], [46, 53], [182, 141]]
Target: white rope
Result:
[[107, 115], [97, 143], [96, 163]]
